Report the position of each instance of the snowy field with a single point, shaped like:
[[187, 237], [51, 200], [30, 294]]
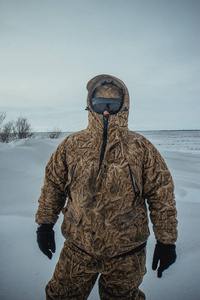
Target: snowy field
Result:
[[24, 270]]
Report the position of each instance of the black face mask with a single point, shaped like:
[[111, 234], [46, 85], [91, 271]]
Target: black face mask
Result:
[[112, 105]]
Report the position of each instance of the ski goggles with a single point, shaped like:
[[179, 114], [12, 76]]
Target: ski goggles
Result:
[[112, 105]]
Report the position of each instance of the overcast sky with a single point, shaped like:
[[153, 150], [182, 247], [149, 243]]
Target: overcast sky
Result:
[[50, 49]]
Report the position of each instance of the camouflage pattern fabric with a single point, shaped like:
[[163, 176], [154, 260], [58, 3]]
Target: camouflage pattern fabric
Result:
[[76, 273], [106, 210]]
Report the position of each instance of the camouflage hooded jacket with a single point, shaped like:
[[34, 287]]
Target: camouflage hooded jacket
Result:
[[106, 210]]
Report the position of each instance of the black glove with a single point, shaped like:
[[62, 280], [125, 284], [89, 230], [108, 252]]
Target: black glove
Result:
[[167, 256], [45, 239]]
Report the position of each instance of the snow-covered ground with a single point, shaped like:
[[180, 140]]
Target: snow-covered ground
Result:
[[24, 270]]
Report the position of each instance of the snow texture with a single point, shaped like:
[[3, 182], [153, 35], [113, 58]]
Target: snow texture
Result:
[[25, 270]]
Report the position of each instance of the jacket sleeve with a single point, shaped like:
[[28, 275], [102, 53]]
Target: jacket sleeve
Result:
[[159, 192], [53, 196]]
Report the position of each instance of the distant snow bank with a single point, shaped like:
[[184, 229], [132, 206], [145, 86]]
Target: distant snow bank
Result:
[[187, 141]]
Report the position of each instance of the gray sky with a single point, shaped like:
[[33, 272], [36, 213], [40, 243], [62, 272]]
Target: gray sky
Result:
[[50, 49]]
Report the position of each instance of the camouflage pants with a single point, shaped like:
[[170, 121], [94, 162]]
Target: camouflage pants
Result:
[[76, 273]]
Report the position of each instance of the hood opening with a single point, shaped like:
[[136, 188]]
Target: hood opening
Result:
[[107, 86]]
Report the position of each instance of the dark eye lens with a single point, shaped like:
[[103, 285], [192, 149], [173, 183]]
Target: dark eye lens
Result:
[[98, 105], [114, 107]]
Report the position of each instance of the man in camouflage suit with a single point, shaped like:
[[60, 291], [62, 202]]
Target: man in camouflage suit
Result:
[[107, 173]]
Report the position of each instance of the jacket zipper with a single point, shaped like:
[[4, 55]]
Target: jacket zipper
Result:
[[105, 132], [135, 187]]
